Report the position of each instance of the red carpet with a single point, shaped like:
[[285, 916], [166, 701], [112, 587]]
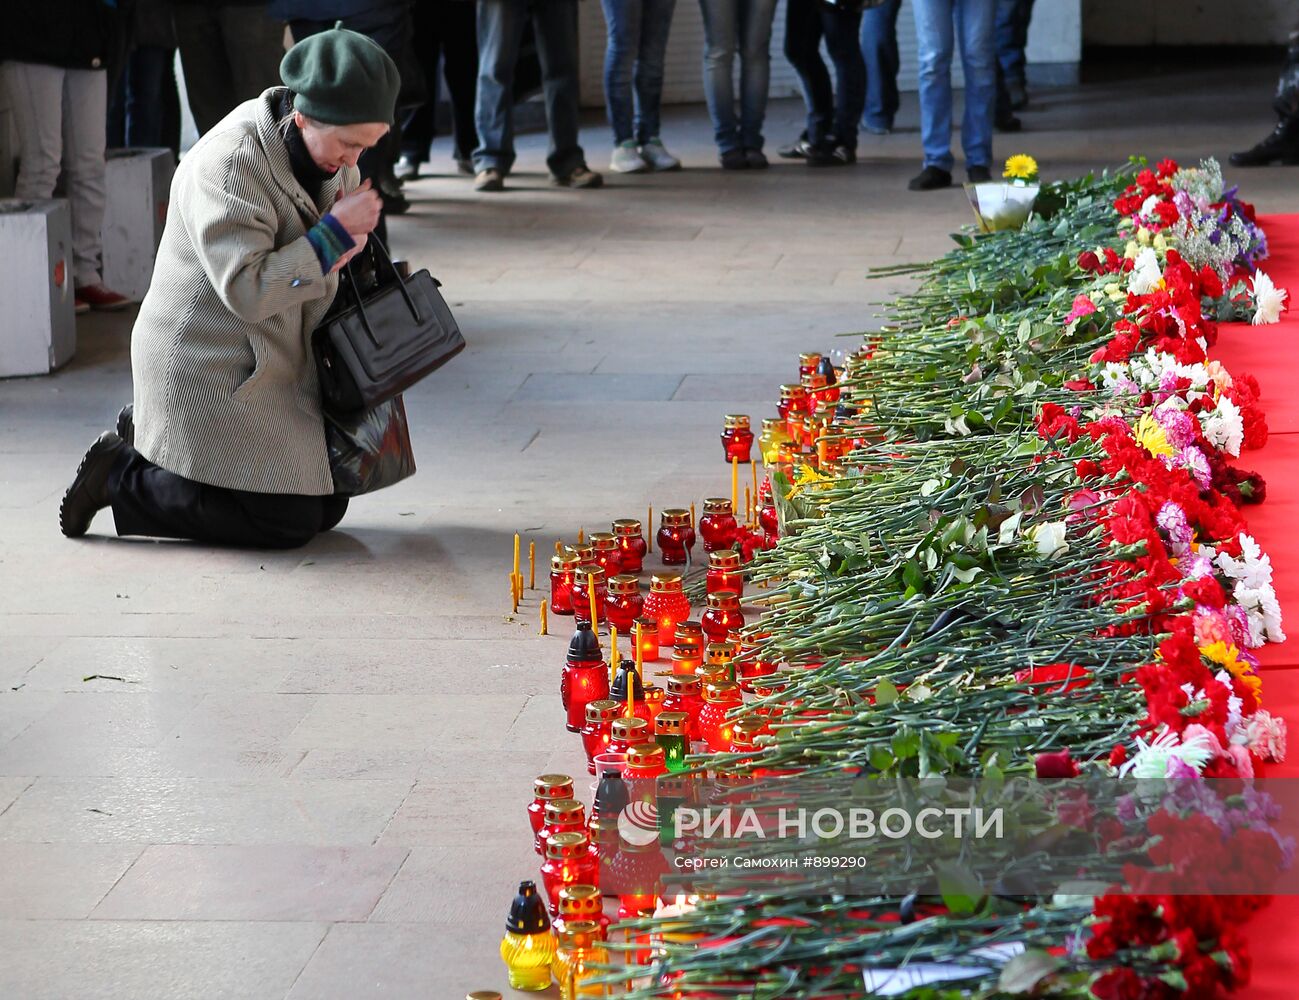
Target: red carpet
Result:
[[1271, 354]]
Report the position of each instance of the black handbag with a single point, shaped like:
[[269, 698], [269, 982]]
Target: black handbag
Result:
[[371, 450], [383, 342]]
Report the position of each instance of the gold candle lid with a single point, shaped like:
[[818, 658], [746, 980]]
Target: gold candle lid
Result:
[[724, 600], [717, 505], [813, 381], [744, 730], [588, 570], [580, 900], [576, 934], [563, 846], [666, 583], [773, 423], [720, 653], [549, 786], [585, 553], [564, 562], [688, 630], [682, 684], [722, 691], [676, 517], [628, 526], [793, 390], [737, 420], [645, 755], [686, 654], [627, 730], [653, 694], [623, 584], [483, 995], [809, 360], [603, 710], [647, 626], [603, 541], [714, 673], [727, 559], [563, 811], [671, 723]]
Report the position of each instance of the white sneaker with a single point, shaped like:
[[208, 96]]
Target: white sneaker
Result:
[[657, 157], [627, 160]]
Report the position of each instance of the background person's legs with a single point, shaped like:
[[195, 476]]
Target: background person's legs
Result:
[[555, 22], [254, 46], [719, 60], [755, 21], [656, 24], [84, 117], [209, 83], [803, 50], [934, 43], [36, 97], [974, 26], [879, 47], [500, 32]]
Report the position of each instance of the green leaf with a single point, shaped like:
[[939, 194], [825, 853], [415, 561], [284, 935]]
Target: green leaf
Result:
[[906, 744], [929, 486], [961, 891], [1023, 972], [881, 759], [886, 692]]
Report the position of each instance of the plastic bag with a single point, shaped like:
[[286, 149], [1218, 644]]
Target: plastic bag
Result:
[[371, 450]]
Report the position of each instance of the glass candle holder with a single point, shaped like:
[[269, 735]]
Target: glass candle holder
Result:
[[744, 733], [750, 668], [582, 902], [722, 616], [654, 696], [585, 679], [631, 543], [772, 437], [561, 815], [645, 762], [547, 788], [724, 572], [737, 438], [769, 520], [528, 947], [686, 660], [793, 404], [685, 696], [715, 728], [676, 536], [667, 603], [626, 733], [581, 594], [721, 655], [596, 731], [606, 552], [718, 526], [563, 567], [670, 734], [569, 861], [577, 955], [623, 602], [808, 363], [638, 872], [689, 633], [646, 637]]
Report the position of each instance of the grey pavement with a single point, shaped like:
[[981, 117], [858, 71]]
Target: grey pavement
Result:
[[229, 774]]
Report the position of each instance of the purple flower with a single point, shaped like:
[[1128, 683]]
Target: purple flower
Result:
[[1172, 521]]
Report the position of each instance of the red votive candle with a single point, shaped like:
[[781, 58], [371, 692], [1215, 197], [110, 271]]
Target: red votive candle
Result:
[[717, 527], [737, 438], [631, 543], [563, 566], [623, 602], [722, 616], [667, 604], [724, 572], [676, 536]]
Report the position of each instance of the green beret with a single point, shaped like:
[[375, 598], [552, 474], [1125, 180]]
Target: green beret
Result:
[[341, 77]]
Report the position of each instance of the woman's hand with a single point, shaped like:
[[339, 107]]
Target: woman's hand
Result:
[[358, 212], [342, 261]]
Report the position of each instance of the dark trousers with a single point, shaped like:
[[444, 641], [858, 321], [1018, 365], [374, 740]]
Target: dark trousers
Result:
[[144, 107], [445, 30], [1012, 38], [832, 113], [153, 502], [879, 48], [230, 54]]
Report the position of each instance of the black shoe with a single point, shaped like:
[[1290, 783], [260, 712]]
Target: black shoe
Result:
[[126, 424], [930, 179], [799, 150], [734, 159], [837, 156], [394, 202], [756, 159], [1017, 94], [1282, 144], [465, 167], [1008, 123], [88, 493], [978, 175]]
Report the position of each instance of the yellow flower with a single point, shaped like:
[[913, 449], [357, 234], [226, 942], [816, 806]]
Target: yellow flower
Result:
[[1228, 656], [1021, 168], [1152, 437]]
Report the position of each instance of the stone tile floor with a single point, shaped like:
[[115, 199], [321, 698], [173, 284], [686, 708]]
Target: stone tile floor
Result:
[[242, 775]]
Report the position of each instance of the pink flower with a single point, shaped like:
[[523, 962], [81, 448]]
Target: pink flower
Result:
[[1211, 626], [1266, 736], [1082, 306]]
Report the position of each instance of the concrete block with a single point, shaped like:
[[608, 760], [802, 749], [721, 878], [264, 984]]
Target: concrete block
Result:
[[139, 184], [38, 332]]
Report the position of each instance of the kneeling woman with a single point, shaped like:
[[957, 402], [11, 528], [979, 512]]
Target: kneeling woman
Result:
[[226, 440]]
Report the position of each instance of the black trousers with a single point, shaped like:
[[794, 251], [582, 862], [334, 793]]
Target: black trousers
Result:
[[445, 29], [153, 502], [833, 112]]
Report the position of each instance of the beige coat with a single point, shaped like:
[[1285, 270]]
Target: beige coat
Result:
[[225, 385]]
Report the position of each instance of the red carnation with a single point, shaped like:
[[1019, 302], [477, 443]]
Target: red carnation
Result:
[[1056, 764]]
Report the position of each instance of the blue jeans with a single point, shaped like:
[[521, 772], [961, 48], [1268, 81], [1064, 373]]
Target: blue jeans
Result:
[[742, 26], [939, 25], [638, 40], [1012, 36], [832, 112], [500, 33], [879, 48]]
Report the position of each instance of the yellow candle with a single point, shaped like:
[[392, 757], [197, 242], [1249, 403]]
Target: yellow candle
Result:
[[581, 536], [631, 697], [516, 553], [692, 514], [613, 643], [544, 607], [754, 465], [590, 592], [514, 596], [748, 506], [532, 565], [735, 485], [558, 545]]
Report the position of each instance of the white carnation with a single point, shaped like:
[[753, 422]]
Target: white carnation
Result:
[[1268, 299], [1049, 539], [1146, 273], [1224, 427]]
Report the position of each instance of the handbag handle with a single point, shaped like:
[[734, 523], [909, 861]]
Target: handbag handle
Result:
[[401, 287]]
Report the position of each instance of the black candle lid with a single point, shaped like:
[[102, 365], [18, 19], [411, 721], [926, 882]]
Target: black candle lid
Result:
[[611, 795], [627, 669], [584, 646], [528, 912]]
